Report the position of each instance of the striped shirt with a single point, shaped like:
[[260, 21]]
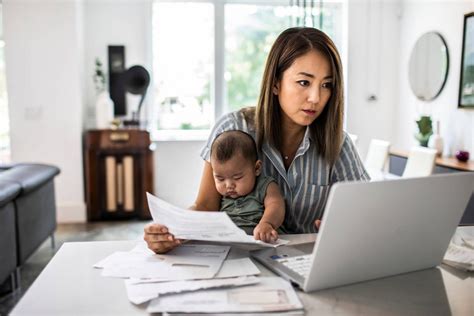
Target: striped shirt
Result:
[[305, 185]]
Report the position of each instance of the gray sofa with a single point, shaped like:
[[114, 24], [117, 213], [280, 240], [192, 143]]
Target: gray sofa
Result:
[[27, 215], [8, 192]]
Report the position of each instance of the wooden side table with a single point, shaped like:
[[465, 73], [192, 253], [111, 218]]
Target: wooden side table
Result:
[[118, 171]]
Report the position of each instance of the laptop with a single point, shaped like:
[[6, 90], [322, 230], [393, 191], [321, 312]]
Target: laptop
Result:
[[372, 230]]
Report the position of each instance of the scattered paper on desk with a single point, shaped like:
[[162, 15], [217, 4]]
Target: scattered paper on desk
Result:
[[141, 293], [200, 225], [468, 242], [459, 257], [272, 294], [237, 267], [230, 269], [109, 260], [182, 263]]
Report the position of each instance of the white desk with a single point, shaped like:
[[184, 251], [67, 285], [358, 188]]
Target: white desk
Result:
[[70, 286]]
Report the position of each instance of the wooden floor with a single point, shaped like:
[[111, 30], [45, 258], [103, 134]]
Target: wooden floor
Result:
[[97, 231]]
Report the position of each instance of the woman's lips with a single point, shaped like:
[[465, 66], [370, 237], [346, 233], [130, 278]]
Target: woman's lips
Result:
[[310, 112]]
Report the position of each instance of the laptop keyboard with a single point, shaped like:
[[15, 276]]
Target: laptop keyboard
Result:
[[299, 264]]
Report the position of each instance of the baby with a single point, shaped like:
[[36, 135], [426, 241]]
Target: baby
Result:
[[251, 200]]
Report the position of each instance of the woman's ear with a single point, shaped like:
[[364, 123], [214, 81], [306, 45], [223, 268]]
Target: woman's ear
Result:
[[258, 167], [276, 88]]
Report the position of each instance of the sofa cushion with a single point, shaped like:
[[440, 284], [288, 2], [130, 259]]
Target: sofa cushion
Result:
[[8, 191], [29, 176], [8, 250], [36, 219], [6, 166]]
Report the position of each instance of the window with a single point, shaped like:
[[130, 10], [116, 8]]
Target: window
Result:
[[183, 64], [212, 61], [250, 31], [4, 121]]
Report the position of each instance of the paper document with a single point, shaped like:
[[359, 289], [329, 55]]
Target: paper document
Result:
[[141, 293], [237, 267], [272, 294], [459, 257], [468, 242], [182, 263], [460, 252], [200, 225], [230, 269]]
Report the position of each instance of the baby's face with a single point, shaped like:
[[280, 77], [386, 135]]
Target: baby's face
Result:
[[236, 176]]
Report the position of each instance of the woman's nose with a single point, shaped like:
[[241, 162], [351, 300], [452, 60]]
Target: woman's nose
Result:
[[313, 96]]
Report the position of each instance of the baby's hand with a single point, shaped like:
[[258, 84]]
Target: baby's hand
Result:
[[265, 232]]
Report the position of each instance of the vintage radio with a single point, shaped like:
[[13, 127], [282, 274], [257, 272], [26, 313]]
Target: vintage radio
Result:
[[118, 170]]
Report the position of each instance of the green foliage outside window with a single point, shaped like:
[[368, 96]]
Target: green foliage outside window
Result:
[[246, 63]]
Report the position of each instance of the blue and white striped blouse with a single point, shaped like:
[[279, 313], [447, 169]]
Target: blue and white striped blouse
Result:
[[305, 186]]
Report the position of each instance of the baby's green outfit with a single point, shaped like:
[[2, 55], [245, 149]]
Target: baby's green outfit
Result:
[[247, 211]]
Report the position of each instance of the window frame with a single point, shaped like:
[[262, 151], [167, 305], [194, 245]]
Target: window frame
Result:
[[218, 86]]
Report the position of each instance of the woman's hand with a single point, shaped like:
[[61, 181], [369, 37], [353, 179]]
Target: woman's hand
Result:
[[158, 239], [317, 223], [265, 232]]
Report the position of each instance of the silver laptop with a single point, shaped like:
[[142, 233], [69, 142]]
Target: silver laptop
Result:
[[376, 229]]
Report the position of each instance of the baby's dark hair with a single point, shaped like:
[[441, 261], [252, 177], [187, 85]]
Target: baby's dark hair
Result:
[[229, 143]]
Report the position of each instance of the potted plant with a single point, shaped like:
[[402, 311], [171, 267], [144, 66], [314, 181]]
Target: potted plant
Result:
[[99, 77], [425, 130], [104, 107]]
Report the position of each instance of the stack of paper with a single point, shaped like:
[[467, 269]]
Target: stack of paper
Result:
[[182, 263], [186, 268], [197, 277], [200, 225], [272, 294], [139, 293], [460, 253], [233, 273]]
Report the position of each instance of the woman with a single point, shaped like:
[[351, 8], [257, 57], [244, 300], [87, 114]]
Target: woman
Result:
[[297, 125]]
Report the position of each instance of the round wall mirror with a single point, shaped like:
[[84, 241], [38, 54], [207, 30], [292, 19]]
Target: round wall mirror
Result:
[[429, 64]]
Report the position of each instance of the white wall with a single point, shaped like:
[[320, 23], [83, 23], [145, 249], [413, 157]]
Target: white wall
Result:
[[457, 125], [381, 37], [373, 35], [178, 169], [115, 22], [43, 69]]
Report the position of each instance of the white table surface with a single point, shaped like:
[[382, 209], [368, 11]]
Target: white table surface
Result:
[[70, 286]]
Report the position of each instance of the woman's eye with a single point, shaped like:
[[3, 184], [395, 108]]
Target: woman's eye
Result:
[[327, 85], [303, 83]]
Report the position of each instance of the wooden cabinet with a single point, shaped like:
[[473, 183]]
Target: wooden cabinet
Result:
[[118, 171], [398, 160]]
